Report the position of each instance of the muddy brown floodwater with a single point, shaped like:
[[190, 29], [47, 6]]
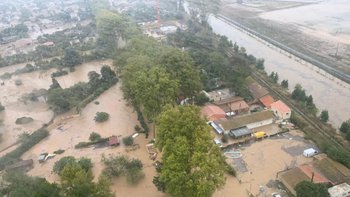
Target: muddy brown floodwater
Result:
[[10, 97], [328, 92]]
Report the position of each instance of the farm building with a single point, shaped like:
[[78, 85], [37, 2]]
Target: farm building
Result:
[[233, 104], [250, 121], [281, 110], [113, 141], [267, 100], [240, 132], [212, 112], [342, 190]]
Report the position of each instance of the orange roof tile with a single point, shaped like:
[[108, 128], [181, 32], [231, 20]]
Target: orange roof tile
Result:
[[267, 100], [280, 106], [213, 112]]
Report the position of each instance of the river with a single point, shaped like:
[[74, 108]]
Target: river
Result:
[[328, 93]]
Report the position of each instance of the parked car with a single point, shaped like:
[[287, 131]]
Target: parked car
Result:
[[218, 142]]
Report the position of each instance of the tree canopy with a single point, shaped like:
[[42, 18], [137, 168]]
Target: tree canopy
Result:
[[192, 164], [308, 189]]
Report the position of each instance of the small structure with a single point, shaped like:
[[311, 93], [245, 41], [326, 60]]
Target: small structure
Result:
[[216, 127], [267, 100], [240, 132], [257, 90], [310, 152], [233, 104], [22, 165], [217, 95], [281, 110], [212, 112], [113, 141], [48, 44], [250, 121], [341, 190]]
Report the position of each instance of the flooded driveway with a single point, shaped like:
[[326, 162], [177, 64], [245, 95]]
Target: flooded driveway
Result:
[[331, 94]]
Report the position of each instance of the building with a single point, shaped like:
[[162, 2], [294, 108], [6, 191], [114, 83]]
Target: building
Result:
[[250, 121], [235, 104], [292, 177], [341, 190], [240, 132], [113, 141], [257, 90], [281, 110], [219, 94], [212, 112], [267, 100]]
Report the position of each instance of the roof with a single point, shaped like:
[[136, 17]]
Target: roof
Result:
[[213, 112], [20, 164], [48, 43], [340, 189], [280, 106], [292, 177], [241, 121], [310, 171], [257, 90], [220, 94], [113, 140], [228, 100], [267, 100], [243, 131], [239, 105]]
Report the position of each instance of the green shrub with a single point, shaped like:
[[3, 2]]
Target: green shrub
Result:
[[137, 128], [82, 145], [101, 117], [224, 138], [59, 151], [84, 163], [128, 141], [59, 73], [2, 108], [24, 120], [18, 82], [94, 136], [230, 170]]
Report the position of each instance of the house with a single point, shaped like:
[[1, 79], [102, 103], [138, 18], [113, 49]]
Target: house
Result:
[[219, 94], [233, 104], [250, 121], [212, 112], [267, 100], [281, 110], [113, 141], [257, 90], [341, 190], [292, 177], [26, 165]]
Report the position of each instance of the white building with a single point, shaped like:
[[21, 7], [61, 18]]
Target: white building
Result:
[[341, 190]]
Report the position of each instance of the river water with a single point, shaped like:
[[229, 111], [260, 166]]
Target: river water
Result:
[[328, 93]]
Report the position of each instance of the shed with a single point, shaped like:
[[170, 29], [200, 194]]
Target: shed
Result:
[[257, 90], [240, 132], [113, 141], [267, 100], [216, 127], [310, 152]]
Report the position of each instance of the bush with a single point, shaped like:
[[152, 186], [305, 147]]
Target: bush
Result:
[[24, 120], [59, 151], [2, 108], [83, 162], [137, 128], [82, 145], [94, 136], [18, 82], [128, 141], [101, 117], [224, 138], [230, 170], [59, 73], [122, 165]]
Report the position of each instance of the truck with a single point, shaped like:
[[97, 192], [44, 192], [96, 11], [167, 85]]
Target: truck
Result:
[[260, 135]]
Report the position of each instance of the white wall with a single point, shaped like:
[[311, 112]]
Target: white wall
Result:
[[260, 124]]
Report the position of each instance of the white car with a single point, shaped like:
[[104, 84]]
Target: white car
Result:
[[218, 142], [276, 195]]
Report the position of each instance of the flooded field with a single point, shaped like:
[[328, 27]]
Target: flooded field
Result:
[[328, 20], [15, 107], [325, 91]]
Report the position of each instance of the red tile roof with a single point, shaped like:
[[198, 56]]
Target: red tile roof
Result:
[[113, 140], [267, 100], [213, 112], [280, 106]]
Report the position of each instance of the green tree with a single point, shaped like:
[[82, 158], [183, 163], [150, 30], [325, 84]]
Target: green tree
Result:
[[275, 78], [324, 116], [2, 108], [71, 57], [128, 141], [345, 127], [76, 181], [94, 80], [101, 117], [260, 64], [308, 189], [284, 84], [19, 184], [193, 165], [94, 136], [102, 188], [60, 164]]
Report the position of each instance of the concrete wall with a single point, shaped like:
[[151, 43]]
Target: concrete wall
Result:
[[260, 124]]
